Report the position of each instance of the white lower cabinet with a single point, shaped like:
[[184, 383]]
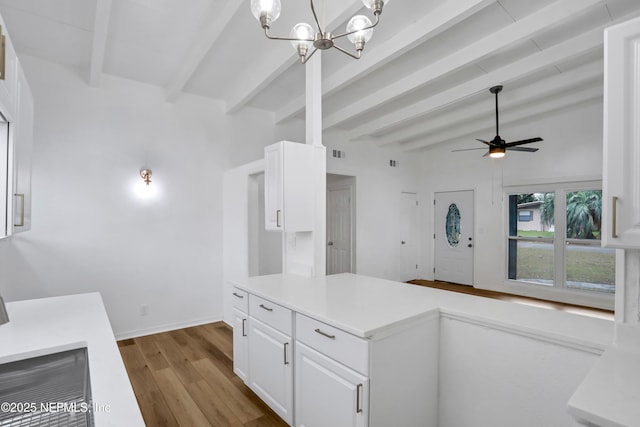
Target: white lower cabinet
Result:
[[315, 374], [328, 393], [240, 344], [271, 367]]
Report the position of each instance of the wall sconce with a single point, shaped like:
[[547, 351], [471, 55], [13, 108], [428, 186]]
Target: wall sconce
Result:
[[145, 174]]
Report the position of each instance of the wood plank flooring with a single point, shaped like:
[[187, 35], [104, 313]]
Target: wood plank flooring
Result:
[[552, 305], [185, 378]]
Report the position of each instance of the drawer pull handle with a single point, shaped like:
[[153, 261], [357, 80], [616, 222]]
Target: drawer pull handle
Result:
[[359, 399], [332, 337], [238, 295], [266, 308], [278, 218], [614, 214], [286, 361], [244, 333]]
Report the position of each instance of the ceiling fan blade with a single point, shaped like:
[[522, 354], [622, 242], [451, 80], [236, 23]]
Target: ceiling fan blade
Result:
[[486, 154], [468, 149], [527, 149], [524, 141], [483, 141]]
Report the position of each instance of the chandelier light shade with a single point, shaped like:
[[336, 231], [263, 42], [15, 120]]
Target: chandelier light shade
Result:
[[303, 36]]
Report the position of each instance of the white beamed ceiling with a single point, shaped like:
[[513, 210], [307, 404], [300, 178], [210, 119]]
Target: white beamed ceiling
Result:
[[423, 78]]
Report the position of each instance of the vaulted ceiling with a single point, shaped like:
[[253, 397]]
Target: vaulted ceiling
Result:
[[422, 80]]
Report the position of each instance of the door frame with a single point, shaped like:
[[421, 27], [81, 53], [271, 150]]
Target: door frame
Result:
[[351, 186], [474, 227]]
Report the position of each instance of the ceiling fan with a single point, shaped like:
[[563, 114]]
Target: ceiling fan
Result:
[[498, 146]]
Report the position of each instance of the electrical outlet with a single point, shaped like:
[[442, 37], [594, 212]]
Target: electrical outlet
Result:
[[144, 310]]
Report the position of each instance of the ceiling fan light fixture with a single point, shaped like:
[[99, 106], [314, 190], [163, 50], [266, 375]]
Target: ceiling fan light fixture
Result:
[[496, 152]]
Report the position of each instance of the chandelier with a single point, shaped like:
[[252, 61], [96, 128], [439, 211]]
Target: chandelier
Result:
[[303, 36]]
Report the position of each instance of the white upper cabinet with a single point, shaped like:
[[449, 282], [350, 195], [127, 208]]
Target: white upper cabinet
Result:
[[621, 172], [289, 195], [22, 153], [8, 74]]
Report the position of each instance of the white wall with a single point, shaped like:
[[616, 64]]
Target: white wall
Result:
[[498, 378], [379, 190], [91, 233], [572, 149]]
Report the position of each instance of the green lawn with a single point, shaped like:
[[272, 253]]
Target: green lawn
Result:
[[582, 266], [523, 233]]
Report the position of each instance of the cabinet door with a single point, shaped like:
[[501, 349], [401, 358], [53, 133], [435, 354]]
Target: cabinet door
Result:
[[327, 392], [273, 187], [8, 80], [621, 171], [240, 344], [270, 368], [23, 147]]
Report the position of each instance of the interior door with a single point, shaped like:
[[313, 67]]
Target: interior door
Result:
[[454, 237], [408, 238], [338, 230]]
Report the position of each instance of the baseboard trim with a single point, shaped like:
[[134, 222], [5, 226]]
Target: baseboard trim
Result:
[[165, 328]]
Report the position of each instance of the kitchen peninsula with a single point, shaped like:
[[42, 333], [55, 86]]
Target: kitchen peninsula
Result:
[[406, 355]]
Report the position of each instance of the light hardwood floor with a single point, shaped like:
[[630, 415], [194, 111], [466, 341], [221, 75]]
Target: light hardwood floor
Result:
[[551, 305], [185, 378]]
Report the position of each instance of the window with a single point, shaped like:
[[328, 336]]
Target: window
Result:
[[525, 216], [559, 245]]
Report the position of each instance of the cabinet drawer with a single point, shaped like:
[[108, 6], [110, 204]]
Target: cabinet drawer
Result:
[[274, 315], [335, 343], [240, 300]]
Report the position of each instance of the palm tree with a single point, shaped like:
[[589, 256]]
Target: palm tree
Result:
[[584, 214], [547, 210]]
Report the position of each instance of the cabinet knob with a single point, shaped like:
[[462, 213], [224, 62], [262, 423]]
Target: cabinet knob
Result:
[[330, 243]]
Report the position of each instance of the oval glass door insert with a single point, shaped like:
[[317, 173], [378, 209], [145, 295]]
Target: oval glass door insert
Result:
[[452, 225]]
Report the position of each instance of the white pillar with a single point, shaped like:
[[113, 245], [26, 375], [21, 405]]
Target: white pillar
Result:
[[313, 98], [313, 74]]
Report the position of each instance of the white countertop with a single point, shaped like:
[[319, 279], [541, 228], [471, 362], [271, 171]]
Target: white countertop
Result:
[[365, 306], [610, 394], [49, 325]]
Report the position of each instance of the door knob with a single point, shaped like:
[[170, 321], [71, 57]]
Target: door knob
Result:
[[330, 243], [403, 242], [470, 245]]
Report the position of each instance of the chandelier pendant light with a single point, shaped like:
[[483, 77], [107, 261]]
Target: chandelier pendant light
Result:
[[303, 37]]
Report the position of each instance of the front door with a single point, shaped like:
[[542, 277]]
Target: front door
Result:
[[454, 238]]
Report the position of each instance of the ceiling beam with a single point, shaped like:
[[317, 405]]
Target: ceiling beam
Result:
[[558, 83], [99, 43], [216, 22], [261, 75], [516, 70], [477, 128], [435, 22], [523, 29]]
